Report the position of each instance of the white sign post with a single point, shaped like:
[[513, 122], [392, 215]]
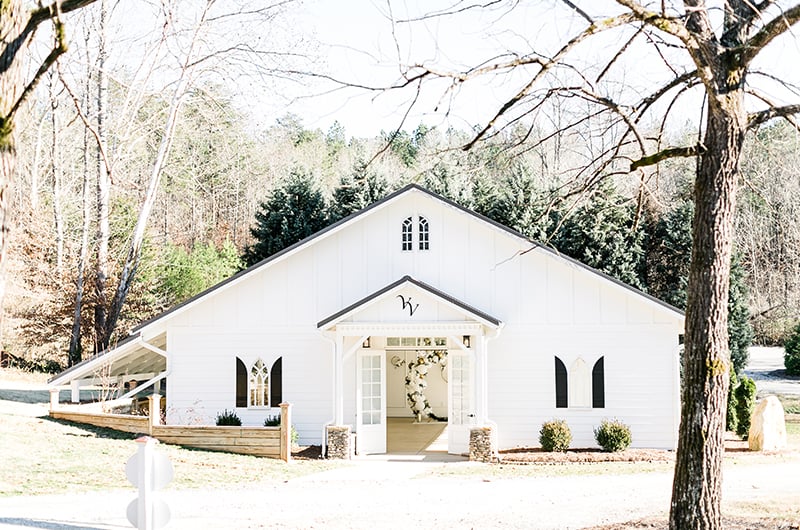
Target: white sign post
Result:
[[149, 470]]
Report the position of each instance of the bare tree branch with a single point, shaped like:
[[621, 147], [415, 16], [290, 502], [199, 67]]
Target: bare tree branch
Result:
[[595, 27], [59, 48], [86, 123], [771, 30], [757, 118], [673, 152]]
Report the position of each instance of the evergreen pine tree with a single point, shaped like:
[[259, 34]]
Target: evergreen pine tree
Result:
[[291, 213], [669, 248], [601, 234], [355, 191]]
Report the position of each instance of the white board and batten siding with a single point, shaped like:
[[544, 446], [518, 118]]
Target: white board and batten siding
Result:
[[548, 306]]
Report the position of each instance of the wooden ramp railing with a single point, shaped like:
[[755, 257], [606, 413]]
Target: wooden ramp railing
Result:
[[272, 442]]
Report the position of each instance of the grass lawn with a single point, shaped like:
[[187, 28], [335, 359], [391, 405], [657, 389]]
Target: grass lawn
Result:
[[791, 404], [44, 456]]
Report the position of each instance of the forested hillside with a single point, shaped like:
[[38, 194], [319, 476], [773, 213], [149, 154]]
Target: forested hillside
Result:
[[220, 168]]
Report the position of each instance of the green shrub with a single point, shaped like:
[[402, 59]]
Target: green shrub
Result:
[[275, 421], [613, 435], [555, 436], [791, 359], [745, 399], [731, 421], [228, 417]]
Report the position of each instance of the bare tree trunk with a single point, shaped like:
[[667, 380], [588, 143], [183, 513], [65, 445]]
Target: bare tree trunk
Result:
[[103, 193], [58, 217], [135, 249], [11, 89], [37, 158], [697, 484], [75, 348], [131, 265]]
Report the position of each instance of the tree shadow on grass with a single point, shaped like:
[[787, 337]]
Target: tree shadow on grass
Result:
[[42, 397], [39, 523], [97, 432]]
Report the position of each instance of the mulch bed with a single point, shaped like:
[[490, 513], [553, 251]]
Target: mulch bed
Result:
[[312, 452], [527, 455]]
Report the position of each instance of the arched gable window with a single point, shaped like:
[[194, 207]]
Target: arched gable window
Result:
[[424, 234], [598, 385], [259, 385], [276, 383], [241, 383], [408, 230], [579, 389], [561, 384]]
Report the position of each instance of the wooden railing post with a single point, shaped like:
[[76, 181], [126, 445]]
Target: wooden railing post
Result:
[[154, 404], [286, 432], [54, 393]]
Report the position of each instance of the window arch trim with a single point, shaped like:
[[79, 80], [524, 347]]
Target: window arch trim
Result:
[[407, 234], [424, 233], [258, 385]]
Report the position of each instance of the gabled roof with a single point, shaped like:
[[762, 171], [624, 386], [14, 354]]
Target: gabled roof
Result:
[[410, 188], [479, 315]]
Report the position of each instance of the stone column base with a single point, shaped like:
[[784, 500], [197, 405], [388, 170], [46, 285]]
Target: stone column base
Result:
[[339, 442], [480, 445]]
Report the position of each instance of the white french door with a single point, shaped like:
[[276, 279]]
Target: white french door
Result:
[[371, 402], [461, 401]]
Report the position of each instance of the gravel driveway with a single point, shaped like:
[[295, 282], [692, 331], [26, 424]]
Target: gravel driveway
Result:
[[370, 494], [766, 368]]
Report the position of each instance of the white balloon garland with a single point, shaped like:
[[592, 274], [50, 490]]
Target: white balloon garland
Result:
[[416, 383]]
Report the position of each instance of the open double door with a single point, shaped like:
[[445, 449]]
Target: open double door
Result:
[[371, 401]]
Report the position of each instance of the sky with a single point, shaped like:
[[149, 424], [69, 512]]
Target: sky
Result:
[[356, 42], [361, 45]]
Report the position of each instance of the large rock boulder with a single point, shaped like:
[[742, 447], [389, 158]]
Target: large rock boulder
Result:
[[767, 426]]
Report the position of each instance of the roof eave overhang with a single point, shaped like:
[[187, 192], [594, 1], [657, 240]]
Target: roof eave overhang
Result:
[[90, 366], [475, 315]]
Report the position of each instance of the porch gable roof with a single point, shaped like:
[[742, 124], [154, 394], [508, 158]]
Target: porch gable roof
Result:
[[477, 314]]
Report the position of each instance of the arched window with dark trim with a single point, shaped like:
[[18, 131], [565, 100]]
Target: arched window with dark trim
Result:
[[598, 385], [407, 233], [259, 385], [241, 383], [561, 384], [276, 383], [424, 234]]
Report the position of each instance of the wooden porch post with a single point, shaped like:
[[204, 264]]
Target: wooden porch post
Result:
[[338, 372], [75, 387], [54, 392], [154, 407], [481, 400], [286, 432]]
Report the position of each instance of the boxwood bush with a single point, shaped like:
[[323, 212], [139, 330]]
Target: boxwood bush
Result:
[[613, 435], [555, 436], [275, 421], [228, 417], [791, 359]]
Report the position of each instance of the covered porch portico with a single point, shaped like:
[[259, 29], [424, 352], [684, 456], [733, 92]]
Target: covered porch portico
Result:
[[368, 332]]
